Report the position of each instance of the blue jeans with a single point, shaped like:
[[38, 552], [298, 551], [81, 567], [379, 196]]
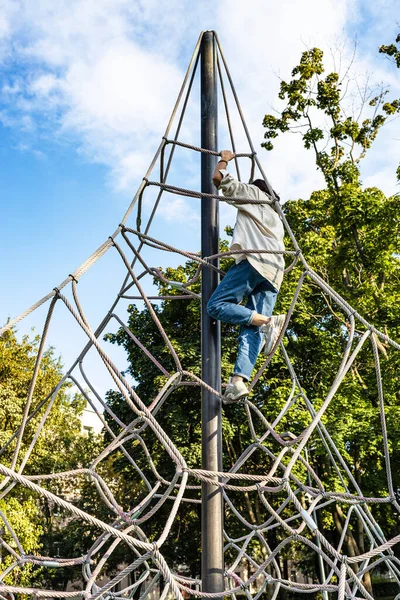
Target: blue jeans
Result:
[[243, 280]]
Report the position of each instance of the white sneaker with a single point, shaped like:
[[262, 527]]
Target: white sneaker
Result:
[[235, 391], [272, 332]]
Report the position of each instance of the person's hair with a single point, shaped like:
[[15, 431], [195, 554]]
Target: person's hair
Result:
[[260, 183]]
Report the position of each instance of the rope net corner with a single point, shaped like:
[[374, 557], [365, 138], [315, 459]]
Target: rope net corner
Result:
[[291, 497]]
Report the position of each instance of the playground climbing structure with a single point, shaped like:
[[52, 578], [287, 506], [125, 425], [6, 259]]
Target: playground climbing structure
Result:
[[292, 495]]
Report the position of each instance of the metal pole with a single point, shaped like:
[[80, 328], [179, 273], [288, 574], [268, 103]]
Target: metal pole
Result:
[[212, 561]]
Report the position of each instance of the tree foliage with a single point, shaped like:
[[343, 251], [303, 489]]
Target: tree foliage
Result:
[[57, 447], [316, 107], [392, 51], [350, 236]]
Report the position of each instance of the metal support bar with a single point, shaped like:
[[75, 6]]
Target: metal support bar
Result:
[[212, 565]]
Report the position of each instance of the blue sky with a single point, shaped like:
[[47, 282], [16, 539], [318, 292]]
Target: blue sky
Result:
[[85, 95]]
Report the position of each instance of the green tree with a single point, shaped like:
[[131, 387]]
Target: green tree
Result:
[[392, 51], [58, 447], [180, 417], [181, 321], [350, 237]]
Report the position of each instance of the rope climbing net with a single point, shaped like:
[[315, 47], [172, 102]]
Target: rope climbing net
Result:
[[291, 496]]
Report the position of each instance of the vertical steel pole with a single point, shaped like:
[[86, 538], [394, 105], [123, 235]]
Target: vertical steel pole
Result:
[[212, 562]]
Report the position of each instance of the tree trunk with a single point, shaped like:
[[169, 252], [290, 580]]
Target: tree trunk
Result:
[[360, 540], [284, 594], [360, 529], [350, 542]]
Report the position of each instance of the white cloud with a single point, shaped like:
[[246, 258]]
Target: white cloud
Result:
[[177, 210], [43, 85], [120, 91], [93, 77], [105, 73], [8, 12], [278, 37], [113, 107], [14, 88], [109, 82], [5, 119]]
